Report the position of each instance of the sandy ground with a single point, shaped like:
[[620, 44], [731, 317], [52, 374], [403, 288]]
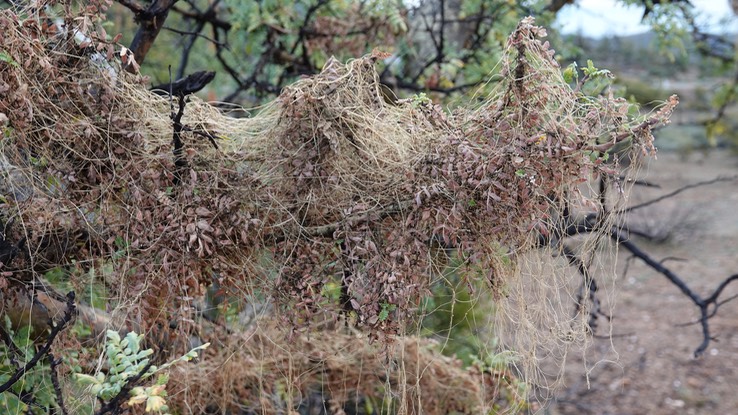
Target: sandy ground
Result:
[[647, 367]]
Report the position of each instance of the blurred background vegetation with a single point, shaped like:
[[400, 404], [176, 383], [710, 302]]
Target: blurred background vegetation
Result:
[[446, 49]]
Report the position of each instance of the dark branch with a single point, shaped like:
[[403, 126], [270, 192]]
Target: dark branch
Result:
[[702, 304], [194, 33], [419, 88], [620, 234], [54, 363], [180, 163], [679, 190], [185, 86], [133, 6], [151, 21], [557, 5], [209, 18]]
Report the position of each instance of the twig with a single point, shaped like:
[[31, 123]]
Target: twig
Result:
[[679, 190], [702, 304], [301, 34], [701, 39], [133, 6], [210, 18], [195, 33], [588, 283], [440, 53], [649, 123], [455, 88], [621, 236], [557, 5], [639, 182], [719, 303], [205, 134], [180, 163], [54, 363], [329, 229], [643, 234], [187, 49], [712, 313], [185, 86]]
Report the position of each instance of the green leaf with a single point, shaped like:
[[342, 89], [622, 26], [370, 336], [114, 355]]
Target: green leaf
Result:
[[590, 69], [86, 380], [5, 57], [386, 308], [570, 73], [383, 315]]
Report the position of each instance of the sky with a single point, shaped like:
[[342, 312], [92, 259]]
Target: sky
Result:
[[598, 18]]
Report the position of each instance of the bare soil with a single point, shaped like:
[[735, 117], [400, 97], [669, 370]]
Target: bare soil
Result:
[[647, 365]]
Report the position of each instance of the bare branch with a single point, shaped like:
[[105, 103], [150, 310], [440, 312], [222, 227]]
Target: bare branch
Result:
[[195, 33], [703, 304], [132, 5], [679, 190], [53, 364], [206, 17], [150, 23]]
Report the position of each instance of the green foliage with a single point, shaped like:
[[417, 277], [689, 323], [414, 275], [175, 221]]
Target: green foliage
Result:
[[671, 30], [127, 360], [386, 308], [593, 81], [272, 42], [571, 74], [641, 92], [418, 100], [5, 57], [592, 72], [457, 317], [269, 40], [35, 382]]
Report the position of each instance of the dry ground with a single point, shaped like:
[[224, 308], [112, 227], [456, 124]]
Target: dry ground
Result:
[[648, 366]]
